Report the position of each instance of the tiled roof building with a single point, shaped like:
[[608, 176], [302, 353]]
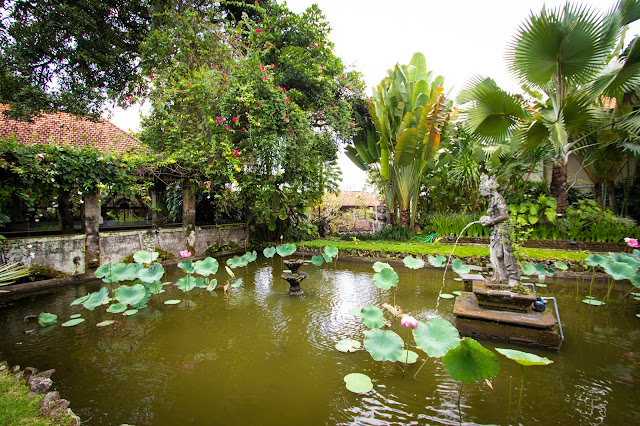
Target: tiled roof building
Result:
[[62, 128]]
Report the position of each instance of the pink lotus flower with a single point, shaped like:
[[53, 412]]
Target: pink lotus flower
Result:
[[409, 321], [234, 119], [632, 242], [184, 253]]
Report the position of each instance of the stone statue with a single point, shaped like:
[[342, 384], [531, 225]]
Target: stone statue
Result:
[[505, 268]]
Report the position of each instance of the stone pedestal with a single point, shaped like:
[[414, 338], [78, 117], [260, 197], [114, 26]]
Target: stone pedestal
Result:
[[90, 226], [294, 282]]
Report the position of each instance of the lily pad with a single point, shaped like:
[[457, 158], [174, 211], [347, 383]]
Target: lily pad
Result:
[[437, 261], [596, 260], [457, 293], [130, 295], [201, 283], [269, 252], [75, 316], [379, 266], [237, 262], [111, 272], [459, 267], [105, 323], [151, 275], [96, 298], [446, 296], [143, 256], [413, 263], [130, 312], [528, 268], [386, 278], [285, 250], [348, 345], [356, 312], [524, 358], [561, 265], [186, 283], [540, 285], [237, 283], [73, 322], [172, 302], [620, 270], [317, 260], [80, 300], [116, 308], [327, 258], [593, 302], [331, 251], [45, 319], [358, 383], [436, 337], [408, 357], [470, 361], [383, 345], [372, 316]]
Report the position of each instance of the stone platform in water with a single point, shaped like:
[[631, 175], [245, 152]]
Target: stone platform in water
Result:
[[523, 327]]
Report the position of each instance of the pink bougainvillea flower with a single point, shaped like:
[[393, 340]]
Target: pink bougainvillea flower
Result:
[[244, 128], [170, 127], [151, 76], [284, 19], [189, 84], [351, 125], [140, 172], [261, 67], [259, 31], [228, 128], [264, 77], [234, 119], [184, 253], [409, 321], [236, 153], [287, 100], [218, 120], [335, 106], [284, 90], [286, 117], [632, 242], [293, 131], [224, 76], [341, 77], [127, 98], [272, 65], [274, 45]]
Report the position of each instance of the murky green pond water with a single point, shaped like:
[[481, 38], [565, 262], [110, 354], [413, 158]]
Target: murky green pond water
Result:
[[260, 357]]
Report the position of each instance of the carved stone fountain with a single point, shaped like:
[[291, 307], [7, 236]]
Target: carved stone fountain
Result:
[[294, 277], [499, 307]]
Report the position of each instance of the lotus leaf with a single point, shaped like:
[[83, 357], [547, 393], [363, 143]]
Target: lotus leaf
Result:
[[457, 293], [543, 270], [540, 285], [130, 312], [593, 302], [436, 337], [624, 258], [437, 261], [379, 266], [236, 262], [45, 319], [383, 345], [186, 283], [116, 308], [80, 300], [186, 266], [358, 383], [212, 285], [459, 267], [172, 302], [636, 254], [446, 296], [561, 265], [528, 268], [105, 323], [151, 275], [143, 302], [596, 260], [357, 312], [130, 295], [408, 357], [317, 260], [95, 299], [153, 287], [635, 279], [236, 283], [386, 279], [201, 283], [269, 252], [413, 263], [327, 258], [143, 256], [470, 361], [75, 316], [73, 322], [252, 256], [331, 251], [285, 250], [372, 316], [130, 272], [348, 345], [112, 272], [524, 358], [620, 270]]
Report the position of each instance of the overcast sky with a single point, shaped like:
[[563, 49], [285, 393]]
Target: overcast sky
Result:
[[459, 38]]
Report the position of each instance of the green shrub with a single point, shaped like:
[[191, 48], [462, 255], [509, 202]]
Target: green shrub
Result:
[[304, 231], [389, 233]]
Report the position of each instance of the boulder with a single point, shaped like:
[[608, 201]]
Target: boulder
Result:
[[59, 407], [75, 419], [15, 369], [48, 400], [40, 384], [28, 372]]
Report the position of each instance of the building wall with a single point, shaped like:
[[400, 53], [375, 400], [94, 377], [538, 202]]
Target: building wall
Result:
[[66, 253]]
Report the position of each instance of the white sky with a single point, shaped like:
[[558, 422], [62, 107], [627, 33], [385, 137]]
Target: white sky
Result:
[[459, 38]]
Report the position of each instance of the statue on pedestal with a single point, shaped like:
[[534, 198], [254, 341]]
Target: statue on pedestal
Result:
[[505, 267]]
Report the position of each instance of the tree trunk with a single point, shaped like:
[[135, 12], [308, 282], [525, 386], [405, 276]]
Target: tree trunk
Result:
[[613, 206], [65, 210], [404, 217], [597, 193], [558, 186]]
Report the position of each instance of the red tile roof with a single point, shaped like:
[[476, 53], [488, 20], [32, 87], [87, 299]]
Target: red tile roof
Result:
[[67, 129]]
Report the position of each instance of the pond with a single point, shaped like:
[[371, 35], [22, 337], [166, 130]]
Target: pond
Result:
[[259, 356]]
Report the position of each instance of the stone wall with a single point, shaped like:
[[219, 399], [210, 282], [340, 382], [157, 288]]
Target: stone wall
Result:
[[67, 253]]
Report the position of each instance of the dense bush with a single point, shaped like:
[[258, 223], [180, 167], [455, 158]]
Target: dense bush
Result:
[[303, 231], [446, 224], [389, 233]]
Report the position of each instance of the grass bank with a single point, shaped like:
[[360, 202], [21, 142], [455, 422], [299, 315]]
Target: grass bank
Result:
[[391, 248]]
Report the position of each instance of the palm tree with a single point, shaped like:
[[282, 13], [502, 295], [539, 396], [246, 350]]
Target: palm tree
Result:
[[566, 59]]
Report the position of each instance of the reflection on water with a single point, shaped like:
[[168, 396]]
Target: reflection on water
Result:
[[260, 356]]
